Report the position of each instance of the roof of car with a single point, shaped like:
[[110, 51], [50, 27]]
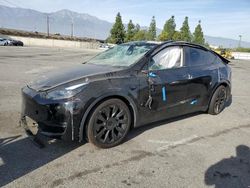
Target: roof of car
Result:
[[144, 42], [184, 43], [169, 42], [160, 45]]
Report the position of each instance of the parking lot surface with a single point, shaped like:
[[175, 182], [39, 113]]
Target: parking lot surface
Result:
[[198, 150]]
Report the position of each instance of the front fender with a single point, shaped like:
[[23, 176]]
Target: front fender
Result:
[[117, 93]]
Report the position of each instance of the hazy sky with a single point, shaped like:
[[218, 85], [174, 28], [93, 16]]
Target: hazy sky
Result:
[[224, 18]]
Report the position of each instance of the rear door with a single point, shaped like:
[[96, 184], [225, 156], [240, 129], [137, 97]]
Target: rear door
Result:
[[203, 71]]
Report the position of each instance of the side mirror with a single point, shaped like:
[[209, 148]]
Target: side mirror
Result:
[[146, 70]]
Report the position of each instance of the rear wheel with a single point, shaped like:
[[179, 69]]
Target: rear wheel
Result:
[[109, 123], [218, 101]]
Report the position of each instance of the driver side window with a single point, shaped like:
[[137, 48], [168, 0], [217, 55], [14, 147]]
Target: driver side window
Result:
[[168, 58]]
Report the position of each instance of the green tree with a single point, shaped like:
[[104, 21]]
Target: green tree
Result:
[[163, 36], [168, 30], [130, 31], [152, 30], [177, 36], [141, 35], [137, 28], [185, 31], [118, 31], [207, 45], [198, 36]]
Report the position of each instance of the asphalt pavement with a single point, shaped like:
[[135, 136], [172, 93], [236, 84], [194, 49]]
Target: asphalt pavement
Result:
[[197, 150]]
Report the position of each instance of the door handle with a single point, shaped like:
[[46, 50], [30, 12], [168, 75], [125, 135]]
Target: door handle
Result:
[[178, 82]]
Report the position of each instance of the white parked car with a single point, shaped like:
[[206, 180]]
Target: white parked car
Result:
[[4, 42]]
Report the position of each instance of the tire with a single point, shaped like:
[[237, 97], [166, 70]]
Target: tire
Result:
[[109, 123], [218, 101]]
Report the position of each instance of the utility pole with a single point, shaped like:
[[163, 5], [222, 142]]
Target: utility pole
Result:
[[240, 41], [72, 26], [47, 25], [72, 29]]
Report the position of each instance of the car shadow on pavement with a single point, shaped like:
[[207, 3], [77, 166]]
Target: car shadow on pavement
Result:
[[137, 131], [233, 172], [19, 156]]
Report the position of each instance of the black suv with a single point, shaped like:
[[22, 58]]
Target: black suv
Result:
[[127, 86]]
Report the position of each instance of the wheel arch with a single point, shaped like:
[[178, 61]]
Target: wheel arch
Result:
[[126, 99], [223, 83]]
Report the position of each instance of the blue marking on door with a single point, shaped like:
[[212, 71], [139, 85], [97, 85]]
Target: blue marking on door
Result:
[[164, 97], [194, 101]]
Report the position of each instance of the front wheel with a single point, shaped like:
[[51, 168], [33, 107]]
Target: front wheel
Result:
[[218, 101], [109, 123]]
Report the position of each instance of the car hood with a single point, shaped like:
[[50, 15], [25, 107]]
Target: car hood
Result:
[[66, 75]]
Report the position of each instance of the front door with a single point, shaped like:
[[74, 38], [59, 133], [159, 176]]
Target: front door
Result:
[[168, 83]]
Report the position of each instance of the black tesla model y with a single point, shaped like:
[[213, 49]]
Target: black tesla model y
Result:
[[127, 86]]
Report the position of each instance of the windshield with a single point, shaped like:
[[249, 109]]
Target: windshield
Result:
[[122, 55]]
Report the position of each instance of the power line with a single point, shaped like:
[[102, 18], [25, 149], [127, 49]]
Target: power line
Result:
[[11, 3], [47, 15]]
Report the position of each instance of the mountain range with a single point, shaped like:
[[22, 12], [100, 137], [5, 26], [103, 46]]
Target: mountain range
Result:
[[84, 25]]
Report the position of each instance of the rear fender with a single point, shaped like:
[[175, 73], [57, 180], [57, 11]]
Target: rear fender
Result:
[[225, 83]]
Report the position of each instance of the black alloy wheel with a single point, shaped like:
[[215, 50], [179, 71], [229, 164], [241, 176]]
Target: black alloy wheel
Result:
[[109, 123], [218, 101]]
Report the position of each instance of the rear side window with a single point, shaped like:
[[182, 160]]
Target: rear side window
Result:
[[195, 57], [211, 58], [218, 60]]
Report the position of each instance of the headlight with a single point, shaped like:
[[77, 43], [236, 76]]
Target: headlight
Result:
[[64, 93]]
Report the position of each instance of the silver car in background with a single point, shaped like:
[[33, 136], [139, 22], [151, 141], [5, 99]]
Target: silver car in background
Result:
[[4, 42]]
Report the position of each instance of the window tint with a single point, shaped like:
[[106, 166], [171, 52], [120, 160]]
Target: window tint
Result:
[[170, 57], [195, 56], [218, 60], [211, 58]]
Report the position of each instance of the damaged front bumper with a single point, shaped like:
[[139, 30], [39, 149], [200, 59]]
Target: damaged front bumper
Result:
[[30, 133], [55, 119]]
